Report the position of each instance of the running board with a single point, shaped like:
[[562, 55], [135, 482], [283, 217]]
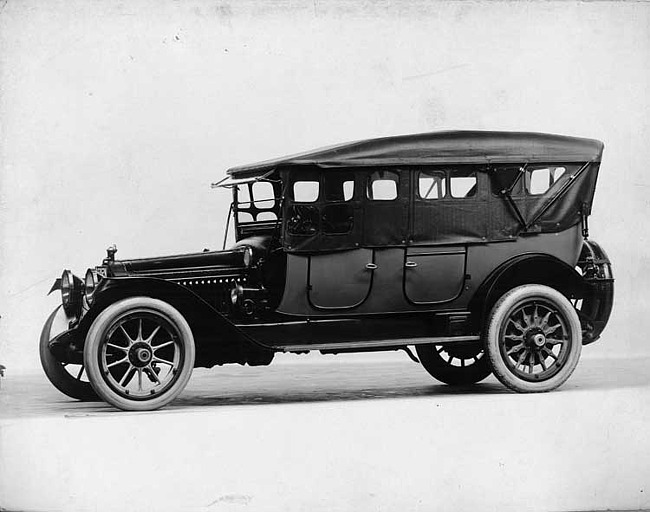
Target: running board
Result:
[[347, 345]]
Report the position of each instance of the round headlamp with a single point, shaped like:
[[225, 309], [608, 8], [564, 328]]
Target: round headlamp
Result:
[[248, 256], [90, 283], [68, 296]]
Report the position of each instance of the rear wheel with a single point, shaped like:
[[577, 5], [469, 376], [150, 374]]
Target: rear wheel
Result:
[[533, 339], [455, 364], [139, 354], [68, 378]]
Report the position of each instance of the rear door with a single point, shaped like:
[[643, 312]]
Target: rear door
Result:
[[434, 274], [444, 213]]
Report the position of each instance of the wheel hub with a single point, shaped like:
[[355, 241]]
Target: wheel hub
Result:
[[535, 338], [140, 355]]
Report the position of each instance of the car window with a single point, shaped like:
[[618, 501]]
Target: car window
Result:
[[383, 186], [243, 195], [266, 216], [540, 180], [305, 191], [432, 185], [338, 186], [462, 183], [263, 195], [245, 217]]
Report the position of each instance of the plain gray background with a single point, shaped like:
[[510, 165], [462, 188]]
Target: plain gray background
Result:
[[116, 117]]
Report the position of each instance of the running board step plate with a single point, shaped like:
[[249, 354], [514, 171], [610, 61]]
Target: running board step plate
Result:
[[374, 343]]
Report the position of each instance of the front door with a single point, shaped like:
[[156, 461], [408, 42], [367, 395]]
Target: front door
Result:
[[340, 280]]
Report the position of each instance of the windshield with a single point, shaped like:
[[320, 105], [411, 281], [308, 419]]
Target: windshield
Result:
[[256, 207]]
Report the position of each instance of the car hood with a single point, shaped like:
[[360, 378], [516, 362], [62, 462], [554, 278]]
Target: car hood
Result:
[[185, 265]]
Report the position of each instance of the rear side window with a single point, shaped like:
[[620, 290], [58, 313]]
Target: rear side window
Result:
[[383, 186], [539, 180], [432, 185], [462, 183], [306, 191]]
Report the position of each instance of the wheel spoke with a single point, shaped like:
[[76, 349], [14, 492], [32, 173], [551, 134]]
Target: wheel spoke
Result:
[[140, 330], [112, 345], [139, 379], [514, 337], [527, 318], [549, 353], [554, 341], [541, 361], [80, 372], [125, 359], [126, 334], [462, 363], [514, 349], [150, 338], [517, 325], [535, 316], [544, 323], [552, 329], [163, 361], [521, 358], [127, 376], [151, 373], [166, 344]]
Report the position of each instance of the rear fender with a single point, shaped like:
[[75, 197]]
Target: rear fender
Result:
[[527, 269]]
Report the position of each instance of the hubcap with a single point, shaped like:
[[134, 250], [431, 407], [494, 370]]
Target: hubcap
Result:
[[539, 340], [140, 354]]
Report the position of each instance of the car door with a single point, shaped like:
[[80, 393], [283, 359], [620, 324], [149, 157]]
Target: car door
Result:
[[444, 213], [339, 272], [340, 280]]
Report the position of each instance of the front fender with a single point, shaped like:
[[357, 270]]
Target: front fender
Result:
[[217, 339]]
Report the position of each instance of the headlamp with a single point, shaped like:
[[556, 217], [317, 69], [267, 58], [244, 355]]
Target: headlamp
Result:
[[90, 283], [248, 256], [70, 292]]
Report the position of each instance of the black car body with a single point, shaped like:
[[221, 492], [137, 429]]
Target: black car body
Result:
[[471, 246]]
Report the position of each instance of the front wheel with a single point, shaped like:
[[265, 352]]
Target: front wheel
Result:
[[533, 339], [139, 354]]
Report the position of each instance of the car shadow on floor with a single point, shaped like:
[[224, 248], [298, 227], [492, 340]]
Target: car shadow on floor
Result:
[[314, 383], [392, 383]]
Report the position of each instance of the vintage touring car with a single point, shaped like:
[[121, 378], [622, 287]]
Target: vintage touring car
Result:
[[471, 246]]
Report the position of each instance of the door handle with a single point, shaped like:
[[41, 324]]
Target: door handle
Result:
[[410, 264], [371, 266]]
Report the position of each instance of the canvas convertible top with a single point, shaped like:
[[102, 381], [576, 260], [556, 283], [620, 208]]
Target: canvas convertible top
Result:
[[438, 148], [503, 207]]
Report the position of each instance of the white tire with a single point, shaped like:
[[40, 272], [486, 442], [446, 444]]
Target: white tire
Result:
[[139, 354]]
